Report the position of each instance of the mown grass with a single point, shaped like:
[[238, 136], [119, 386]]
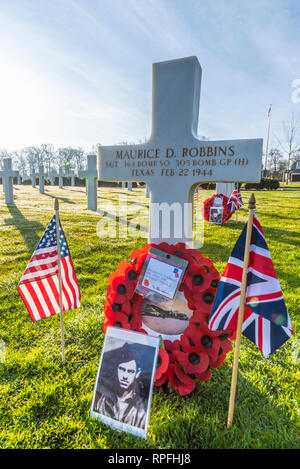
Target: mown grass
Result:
[[45, 404]]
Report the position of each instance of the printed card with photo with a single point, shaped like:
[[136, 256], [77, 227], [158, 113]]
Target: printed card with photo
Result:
[[124, 383], [161, 274], [216, 215], [218, 201]]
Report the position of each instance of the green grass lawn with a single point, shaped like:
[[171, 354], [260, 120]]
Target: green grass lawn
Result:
[[45, 404]]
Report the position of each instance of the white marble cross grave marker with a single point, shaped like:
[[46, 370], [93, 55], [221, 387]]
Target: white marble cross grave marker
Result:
[[71, 174], [7, 175], [33, 178], [173, 161], [90, 175], [52, 176], [60, 178], [41, 179]]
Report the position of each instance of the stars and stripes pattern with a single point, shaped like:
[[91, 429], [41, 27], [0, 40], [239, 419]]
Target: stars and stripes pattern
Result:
[[196, 194], [235, 200], [39, 285], [266, 319]]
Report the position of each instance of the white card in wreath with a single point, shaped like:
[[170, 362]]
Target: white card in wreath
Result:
[[218, 202]]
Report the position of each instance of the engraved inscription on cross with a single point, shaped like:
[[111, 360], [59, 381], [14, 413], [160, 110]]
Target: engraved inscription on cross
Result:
[[174, 160]]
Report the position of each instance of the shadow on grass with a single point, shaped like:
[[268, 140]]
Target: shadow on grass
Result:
[[123, 221], [63, 199], [269, 232], [124, 201], [30, 230], [199, 420]]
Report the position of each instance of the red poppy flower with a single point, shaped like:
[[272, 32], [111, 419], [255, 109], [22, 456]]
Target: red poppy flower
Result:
[[129, 271], [203, 376], [180, 380], [202, 341], [199, 320], [192, 255], [162, 380], [171, 347], [214, 363], [138, 257], [134, 319], [110, 308], [204, 301], [137, 303], [121, 289], [192, 360], [162, 363], [116, 320], [222, 337], [199, 280], [177, 249]]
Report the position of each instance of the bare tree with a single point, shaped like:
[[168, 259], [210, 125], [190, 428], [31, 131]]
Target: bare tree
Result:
[[47, 155], [275, 158], [33, 157], [3, 154], [291, 143]]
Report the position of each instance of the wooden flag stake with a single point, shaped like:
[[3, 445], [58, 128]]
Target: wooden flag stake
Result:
[[56, 208], [251, 206]]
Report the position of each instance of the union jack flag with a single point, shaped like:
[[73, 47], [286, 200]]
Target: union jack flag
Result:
[[266, 320], [39, 285], [235, 200]]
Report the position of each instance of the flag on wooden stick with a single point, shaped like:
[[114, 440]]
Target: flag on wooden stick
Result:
[[196, 194], [249, 299], [266, 320], [235, 200], [39, 286]]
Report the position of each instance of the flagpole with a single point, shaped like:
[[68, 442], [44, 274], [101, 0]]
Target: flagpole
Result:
[[56, 208], [268, 135], [251, 206]]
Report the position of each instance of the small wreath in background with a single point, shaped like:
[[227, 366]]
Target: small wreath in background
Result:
[[208, 203], [181, 362]]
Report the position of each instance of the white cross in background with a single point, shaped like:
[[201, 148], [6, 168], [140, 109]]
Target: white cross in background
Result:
[[7, 175]]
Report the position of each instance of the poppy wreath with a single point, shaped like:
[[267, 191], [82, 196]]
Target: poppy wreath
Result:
[[181, 362], [227, 214]]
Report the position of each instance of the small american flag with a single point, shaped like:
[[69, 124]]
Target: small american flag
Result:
[[235, 200], [196, 195], [266, 319], [39, 285]]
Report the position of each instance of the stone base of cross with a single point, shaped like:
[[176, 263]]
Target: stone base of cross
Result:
[[7, 174], [72, 175], [225, 188], [91, 175], [173, 161]]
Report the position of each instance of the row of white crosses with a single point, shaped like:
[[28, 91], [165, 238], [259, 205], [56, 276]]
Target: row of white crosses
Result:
[[8, 174], [52, 176], [174, 161]]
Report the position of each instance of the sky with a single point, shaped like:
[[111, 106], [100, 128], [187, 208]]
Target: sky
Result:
[[79, 72]]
